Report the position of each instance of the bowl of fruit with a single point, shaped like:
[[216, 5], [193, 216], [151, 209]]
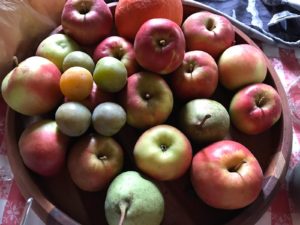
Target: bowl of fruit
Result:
[[147, 112]]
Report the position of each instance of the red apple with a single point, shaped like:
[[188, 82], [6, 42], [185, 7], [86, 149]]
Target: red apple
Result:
[[197, 77], [159, 45], [119, 48], [96, 97], [32, 88], [226, 175], [43, 147], [208, 32], [241, 65], [163, 152], [255, 108], [147, 99], [86, 21], [94, 160]]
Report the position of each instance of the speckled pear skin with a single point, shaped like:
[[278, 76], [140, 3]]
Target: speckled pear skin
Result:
[[146, 203]]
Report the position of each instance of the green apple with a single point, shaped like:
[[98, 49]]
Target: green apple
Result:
[[56, 47], [163, 152], [78, 58], [110, 74]]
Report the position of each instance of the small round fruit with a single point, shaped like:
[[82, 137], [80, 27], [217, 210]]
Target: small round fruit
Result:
[[73, 118], [204, 120], [110, 74], [78, 58], [108, 118], [76, 83]]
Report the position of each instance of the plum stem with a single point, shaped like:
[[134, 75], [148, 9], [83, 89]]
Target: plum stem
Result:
[[200, 124], [123, 208], [15, 60]]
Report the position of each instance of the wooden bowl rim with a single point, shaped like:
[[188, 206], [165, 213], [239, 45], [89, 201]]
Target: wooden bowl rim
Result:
[[48, 212]]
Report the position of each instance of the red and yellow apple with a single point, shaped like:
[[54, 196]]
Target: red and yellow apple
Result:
[[147, 100], [208, 32], [163, 152], [255, 108], [87, 21], [93, 161], [43, 147], [32, 88], [119, 48], [241, 65], [159, 45], [197, 77], [226, 175]]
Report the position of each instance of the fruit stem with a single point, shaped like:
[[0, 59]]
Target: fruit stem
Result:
[[15, 60], [237, 167], [162, 42], [103, 157], [260, 101], [207, 116], [123, 208]]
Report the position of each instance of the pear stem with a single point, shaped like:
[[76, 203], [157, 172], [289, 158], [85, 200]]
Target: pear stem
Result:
[[15, 60], [207, 116], [123, 208]]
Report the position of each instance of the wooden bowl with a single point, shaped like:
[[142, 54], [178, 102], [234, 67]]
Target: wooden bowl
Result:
[[59, 201]]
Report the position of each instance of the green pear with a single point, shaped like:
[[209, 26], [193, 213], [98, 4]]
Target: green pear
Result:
[[204, 120], [132, 199]]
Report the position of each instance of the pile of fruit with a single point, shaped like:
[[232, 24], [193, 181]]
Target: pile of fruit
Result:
[[148, 68]]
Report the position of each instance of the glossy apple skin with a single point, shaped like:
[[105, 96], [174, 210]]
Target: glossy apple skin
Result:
[[159, 45], [208, 32], [43, 147], [147, 99], [93, 161], [32, 88], [119, 48], [96, 97], [197, 77], [216, 180], [241, 65], [87, 21], [255, 108], [56, 47], [163, 152]]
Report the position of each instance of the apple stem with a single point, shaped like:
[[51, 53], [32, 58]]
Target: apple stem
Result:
[[123, 208], [191, 67], [147, 96], [162, 42], [84, 7], [163, 147], [237, 167], [260, 101], [15, 60], [103, 157], [207, 116]]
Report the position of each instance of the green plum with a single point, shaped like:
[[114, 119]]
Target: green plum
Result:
[[73, 118], [78, 58], [110, 74], [108, 118]]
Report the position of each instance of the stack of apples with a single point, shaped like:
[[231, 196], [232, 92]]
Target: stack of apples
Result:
[[89, 81]]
